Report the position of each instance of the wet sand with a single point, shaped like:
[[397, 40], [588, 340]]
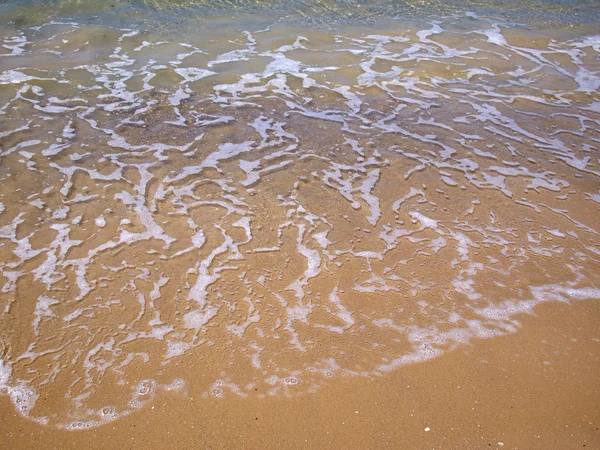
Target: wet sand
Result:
[[536, 389], [265, 236]]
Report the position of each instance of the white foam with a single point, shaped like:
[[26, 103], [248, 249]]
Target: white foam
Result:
[[191, 74], [100, 221]]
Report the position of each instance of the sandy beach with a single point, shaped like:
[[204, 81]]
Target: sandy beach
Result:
[[532, 390], [299, 226]]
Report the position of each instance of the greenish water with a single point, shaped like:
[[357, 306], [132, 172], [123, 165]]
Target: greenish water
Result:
[[542, 13]]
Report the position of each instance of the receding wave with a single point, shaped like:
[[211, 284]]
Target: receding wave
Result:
[[269, 211]]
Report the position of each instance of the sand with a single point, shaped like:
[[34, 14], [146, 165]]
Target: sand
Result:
[[252, 236], [536, 389]]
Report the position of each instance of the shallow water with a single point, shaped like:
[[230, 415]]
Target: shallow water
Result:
[[172, 13], [268, 206]]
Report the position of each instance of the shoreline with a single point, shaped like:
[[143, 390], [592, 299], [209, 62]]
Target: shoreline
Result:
[[284, 218]]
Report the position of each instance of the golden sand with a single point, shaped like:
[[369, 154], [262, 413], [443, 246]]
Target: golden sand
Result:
[[281, 237]]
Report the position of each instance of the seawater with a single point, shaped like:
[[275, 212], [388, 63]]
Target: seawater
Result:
[[253, 205]]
